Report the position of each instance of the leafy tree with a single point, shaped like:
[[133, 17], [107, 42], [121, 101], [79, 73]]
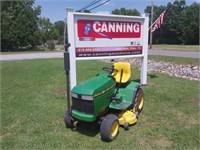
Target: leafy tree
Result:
[[19, 24], [190, 29], [176, 16], [59, 25], [46, 30], [181, 25], [128, 12]]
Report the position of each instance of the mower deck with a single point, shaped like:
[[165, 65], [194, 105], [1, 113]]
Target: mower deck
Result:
[[127, 118]]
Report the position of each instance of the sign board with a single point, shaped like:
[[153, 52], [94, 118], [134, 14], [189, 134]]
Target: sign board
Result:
[[95, 36]]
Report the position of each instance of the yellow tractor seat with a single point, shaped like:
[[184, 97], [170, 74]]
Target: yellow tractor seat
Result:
[[126, 73]]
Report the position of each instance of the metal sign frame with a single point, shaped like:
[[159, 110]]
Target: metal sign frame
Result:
[[100, 43]]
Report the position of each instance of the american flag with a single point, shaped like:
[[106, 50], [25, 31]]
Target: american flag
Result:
[[157, 24]]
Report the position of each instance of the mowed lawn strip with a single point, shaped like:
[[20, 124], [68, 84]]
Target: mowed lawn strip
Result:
[[173, 47], [176, 60], [33, 102]]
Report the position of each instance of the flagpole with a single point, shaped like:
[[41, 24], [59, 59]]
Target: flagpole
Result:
[[151, 33]]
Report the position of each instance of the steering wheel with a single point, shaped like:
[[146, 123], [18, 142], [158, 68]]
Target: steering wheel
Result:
[[110, 70]]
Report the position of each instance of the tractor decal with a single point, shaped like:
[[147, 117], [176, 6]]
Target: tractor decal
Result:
[[106, 90]]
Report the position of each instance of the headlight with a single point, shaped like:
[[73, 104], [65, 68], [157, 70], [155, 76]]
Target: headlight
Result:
[[87, 97], [74, 95]]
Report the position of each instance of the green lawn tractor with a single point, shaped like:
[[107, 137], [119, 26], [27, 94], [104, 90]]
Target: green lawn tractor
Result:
[[110, 98]]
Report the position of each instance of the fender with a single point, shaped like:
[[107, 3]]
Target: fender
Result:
[[135, 91]]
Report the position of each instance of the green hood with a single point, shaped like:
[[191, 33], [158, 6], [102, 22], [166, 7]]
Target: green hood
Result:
[[96, 85]]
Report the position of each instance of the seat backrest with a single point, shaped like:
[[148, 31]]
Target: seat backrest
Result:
[[126, 73]]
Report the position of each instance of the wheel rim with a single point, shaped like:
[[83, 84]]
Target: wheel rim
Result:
[[140, 101], [114, 129]]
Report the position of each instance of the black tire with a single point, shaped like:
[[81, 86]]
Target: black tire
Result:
[[68, 121], [139, 101], [109, 128]]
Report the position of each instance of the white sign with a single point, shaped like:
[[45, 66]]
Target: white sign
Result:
[[95, 36]]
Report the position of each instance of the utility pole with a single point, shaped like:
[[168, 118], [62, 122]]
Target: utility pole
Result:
[[151, 33]]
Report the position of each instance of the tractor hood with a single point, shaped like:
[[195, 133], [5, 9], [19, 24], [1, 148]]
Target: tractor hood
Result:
[[95, 86]]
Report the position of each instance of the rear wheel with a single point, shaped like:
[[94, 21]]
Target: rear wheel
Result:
[[109, 128], [139, 101]]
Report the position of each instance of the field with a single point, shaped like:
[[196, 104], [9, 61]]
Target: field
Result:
[[33, 102], [194, 48], [176, 60]]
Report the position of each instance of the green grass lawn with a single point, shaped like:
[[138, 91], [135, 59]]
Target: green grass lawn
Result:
[[33, 102], [176, 60], [194, 48]]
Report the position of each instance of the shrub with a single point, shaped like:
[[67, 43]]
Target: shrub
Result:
[[51, 45]]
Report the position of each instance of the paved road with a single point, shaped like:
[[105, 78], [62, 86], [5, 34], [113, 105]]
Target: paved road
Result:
[[60, 55], [175, 53], [31, 56]]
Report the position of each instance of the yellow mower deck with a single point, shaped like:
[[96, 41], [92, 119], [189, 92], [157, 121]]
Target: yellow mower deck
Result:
[[127, 117]]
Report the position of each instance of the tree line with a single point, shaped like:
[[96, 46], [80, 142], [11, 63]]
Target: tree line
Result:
[[181, 25], [21, 26]]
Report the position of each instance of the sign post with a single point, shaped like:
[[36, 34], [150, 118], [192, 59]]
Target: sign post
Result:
[[95, 36]]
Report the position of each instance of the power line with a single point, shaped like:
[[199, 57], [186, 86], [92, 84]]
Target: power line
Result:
[[90, 4], [99, 5]]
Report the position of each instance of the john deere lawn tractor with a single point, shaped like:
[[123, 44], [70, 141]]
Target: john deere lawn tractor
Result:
[[110, 98]]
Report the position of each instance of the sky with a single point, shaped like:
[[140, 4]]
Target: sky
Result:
[[55, 10]]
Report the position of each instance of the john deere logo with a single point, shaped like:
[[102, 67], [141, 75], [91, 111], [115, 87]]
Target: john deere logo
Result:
[[87, 28]]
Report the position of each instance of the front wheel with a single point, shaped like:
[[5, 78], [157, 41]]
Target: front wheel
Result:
[[68, 121], [109, 128]]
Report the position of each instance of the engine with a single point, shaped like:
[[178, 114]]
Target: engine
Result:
[[91, 97]]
